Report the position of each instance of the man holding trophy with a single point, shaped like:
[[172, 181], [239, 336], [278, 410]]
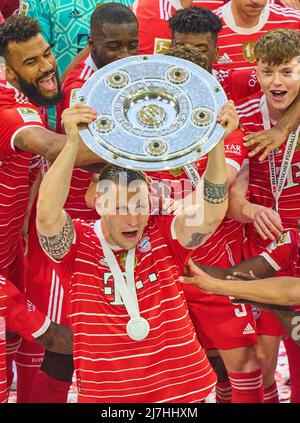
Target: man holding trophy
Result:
[[133, 338], [138, 333]]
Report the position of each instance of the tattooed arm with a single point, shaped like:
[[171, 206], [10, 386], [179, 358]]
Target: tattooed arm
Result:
[[199, 219], [49, 144], [55, 228], [57, 338]]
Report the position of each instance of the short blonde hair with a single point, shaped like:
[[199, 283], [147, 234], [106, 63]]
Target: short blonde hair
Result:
[[278, 47]]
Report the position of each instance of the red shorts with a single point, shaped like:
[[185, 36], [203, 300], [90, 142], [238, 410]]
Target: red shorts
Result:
[[43, 285], [266, 322], [220, 324]]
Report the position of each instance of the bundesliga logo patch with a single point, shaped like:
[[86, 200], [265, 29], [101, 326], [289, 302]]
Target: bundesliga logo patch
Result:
[[161, 45], [144, 245], [29, 115], [74, 96], [283, 239]]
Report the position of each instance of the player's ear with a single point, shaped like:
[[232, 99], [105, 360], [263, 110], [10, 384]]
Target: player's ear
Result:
[[91, 42], [10, 73], [216, 55], [98, 204]]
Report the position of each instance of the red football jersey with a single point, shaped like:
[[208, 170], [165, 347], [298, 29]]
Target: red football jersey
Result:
[[283, 253], [260, 189], [223, 248], [237, 84], [153, 16], [17, 315], [236, 44], [17, 113], [169, 365]]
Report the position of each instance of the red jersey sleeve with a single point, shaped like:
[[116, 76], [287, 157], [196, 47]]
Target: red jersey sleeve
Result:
[[22, 316], [13, 120], [166, 226], [282, 253], [235, 152]]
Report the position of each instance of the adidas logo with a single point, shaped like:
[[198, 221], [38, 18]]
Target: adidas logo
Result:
[[224, 59], [75, 14], [248, 329]]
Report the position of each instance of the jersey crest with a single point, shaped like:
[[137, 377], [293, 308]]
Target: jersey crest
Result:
[[248, 52]]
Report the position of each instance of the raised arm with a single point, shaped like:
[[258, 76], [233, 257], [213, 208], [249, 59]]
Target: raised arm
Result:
[[215, 182], [54, 226]]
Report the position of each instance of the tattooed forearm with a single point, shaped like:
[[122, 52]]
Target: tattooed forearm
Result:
[[58, 245], [57, 338], [197, 239], [215, 193]]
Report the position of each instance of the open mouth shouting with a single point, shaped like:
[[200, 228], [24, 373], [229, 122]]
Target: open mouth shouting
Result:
[[48, 82], [130, 235], [278, 95]]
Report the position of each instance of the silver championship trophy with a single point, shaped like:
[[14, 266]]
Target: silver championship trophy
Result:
[[154, 112]]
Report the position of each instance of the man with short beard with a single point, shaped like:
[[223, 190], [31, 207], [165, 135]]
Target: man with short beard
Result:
[[244, 22], [31, 81]]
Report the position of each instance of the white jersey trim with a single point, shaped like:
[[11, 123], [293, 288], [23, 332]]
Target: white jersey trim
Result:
[[90, 62], [12, 140], [270, 261], [173, 233], [43, 328], [233, 163], [230, 21]]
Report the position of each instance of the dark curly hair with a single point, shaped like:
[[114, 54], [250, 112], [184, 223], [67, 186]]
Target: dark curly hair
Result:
[[196, 19], [192, 54], [17, 28]]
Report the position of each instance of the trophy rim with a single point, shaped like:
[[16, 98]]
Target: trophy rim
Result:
[[189, 153]]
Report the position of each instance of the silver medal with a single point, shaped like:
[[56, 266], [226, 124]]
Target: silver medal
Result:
[[138, 328]]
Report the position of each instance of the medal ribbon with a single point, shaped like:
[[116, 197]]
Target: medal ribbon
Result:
[[127, 292], [278, 184]]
